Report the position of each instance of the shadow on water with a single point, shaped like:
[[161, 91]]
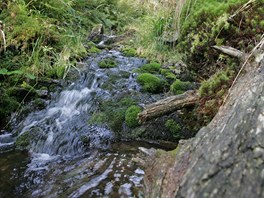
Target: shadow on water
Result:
[[12, 168]]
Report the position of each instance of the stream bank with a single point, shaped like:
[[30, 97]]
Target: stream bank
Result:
[[75, 151]]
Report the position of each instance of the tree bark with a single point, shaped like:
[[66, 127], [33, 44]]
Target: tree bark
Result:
[[168, 105]]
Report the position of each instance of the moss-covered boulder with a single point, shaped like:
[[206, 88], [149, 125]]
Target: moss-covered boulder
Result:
[[152, 68], [131, 116], [107, 63], [8, 105], [150, 82], [179, 87], [23, 141], [130, 52]]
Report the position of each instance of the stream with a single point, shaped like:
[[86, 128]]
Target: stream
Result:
[[69, 157]]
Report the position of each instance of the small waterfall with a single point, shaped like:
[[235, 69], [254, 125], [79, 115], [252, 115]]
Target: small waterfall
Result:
[[69, 157], [6, 142], [59, 128]]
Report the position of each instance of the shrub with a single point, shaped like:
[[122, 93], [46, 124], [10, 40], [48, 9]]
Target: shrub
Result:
[[150, 83], [131, 116], [179, 87], [107, 63], [152, 67], [173, 127]]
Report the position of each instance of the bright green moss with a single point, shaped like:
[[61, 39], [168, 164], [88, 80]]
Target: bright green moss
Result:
[[130, 52], [167, 73], [179, 87], [152, 67], [150, 82], [93, 49], [131, 116], [216, 82]]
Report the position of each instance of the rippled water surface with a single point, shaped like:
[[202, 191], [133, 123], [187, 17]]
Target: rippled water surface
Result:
[[59, 163]]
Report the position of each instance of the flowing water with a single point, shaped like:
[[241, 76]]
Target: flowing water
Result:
[[60, 163]]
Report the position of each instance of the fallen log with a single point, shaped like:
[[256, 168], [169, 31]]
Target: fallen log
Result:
[[168, 105]]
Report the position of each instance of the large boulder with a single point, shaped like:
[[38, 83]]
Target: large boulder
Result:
[[226, 158]]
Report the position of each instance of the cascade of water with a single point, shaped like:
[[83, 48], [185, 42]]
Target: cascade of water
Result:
[[61, 164], [58, 128]]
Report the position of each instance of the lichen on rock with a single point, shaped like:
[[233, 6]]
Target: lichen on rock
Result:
[[226, 158]]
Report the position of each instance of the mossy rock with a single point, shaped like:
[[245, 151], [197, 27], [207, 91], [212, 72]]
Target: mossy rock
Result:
[[98, 118], [85, 140], [129, 52], [21, 93], [107, 63], [93, 49], [131, 116], [39, 103], [152, 68], [127, 101], [150, 82], [23, 141], [117, 119], [173, 127], [124, 74], [168, 74], [217, 82], [179, 87], [8, 105], [112, 113]]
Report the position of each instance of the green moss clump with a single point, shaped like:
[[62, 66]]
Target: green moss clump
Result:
[[216, 83], [93, 49], [127, 102], [131, 116], [39, 103], [173, 127], [130, 52], [107, 63], [150, 83], [179, 87], [167, 73], [23, 141], [98, 118], [152, 68], [112, 113]]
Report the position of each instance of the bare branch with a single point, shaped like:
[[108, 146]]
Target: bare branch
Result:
[[230, 51]]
